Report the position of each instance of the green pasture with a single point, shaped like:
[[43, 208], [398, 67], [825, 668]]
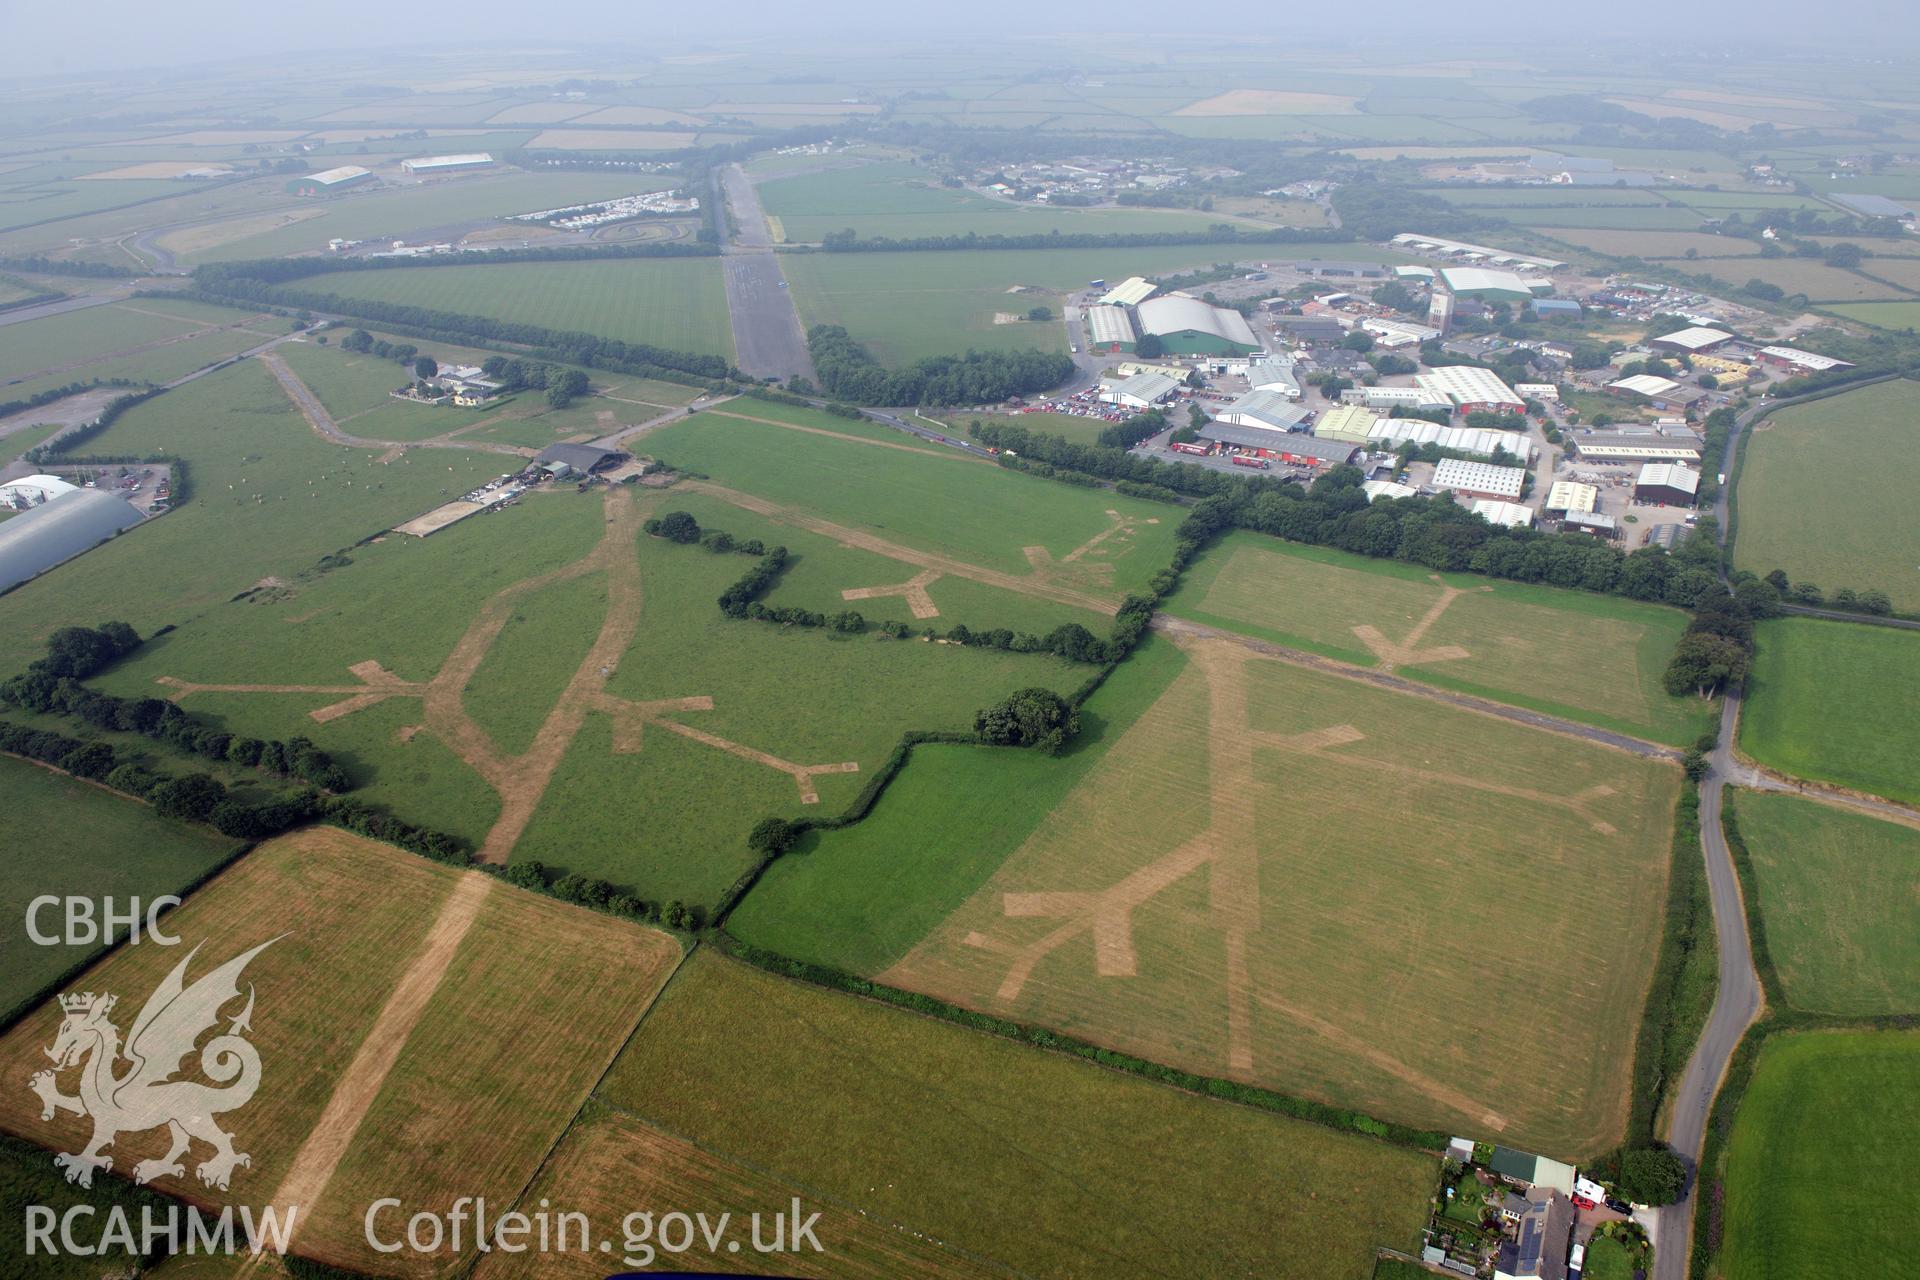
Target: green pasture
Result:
[[81, 336], [1836, 702], [1882, 315], [1130, 1178]]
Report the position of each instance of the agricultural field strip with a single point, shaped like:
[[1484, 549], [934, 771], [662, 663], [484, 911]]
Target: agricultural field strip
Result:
[[1750, 773], [852, 439], [328, 429], [1385, 679]]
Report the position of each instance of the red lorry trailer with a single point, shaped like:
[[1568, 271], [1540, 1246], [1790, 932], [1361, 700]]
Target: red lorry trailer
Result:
[[1248, 460], [1180, 447]]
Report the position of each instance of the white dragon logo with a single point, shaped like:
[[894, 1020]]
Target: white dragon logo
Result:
[[144, 1096]]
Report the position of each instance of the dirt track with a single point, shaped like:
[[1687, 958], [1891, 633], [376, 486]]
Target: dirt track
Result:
[[327, 429]]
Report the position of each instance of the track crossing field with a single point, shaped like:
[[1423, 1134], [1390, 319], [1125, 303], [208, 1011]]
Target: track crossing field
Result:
[[462, 1011], [1587, 657], [1288, 878], [676, 303], [1128, 1177], [1816, 498], [1837, 895], [1824, 1110], [1835, 702]]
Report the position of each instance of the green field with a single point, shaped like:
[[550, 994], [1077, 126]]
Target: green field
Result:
[[1826, 1112], [976, 1142], [949, 505], [1836, 702], [908, 306], [1836, 894], [676, 303], [1882, 315], [1080, 430], [1820, 282], [1659, 244], [1597, 659], [93, 843], [904, 201], [83, 335]]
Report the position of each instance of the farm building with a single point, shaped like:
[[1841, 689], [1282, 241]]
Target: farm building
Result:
[[429, 166], [1287, 446], [59, 529], [1635, 446], [1343, 270], [1268, 409], [1479, 479], [1694, 341], [1797, 361], [1542, 1239], [1873, 206], [1544, 307], [1479, 440], [577, 459], [1667, 484], [1130, 292], [1309, 329], [1189, 326], [1510, 514], [1378, 489], [1484, 283], [1278, 375], [1661, 393], [1568, 495], [1109, 329], [330, 181], [1471, 389], [1461, 249], [1141, 391], [1529, 1170], [31, 491], [1349, 422]]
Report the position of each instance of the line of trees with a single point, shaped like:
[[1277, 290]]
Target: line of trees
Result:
[[215, 275], [1216, 233], [10, 407], [848, 372], [53, 267]]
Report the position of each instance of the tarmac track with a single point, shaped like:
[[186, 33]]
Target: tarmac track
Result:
[[767, 335]]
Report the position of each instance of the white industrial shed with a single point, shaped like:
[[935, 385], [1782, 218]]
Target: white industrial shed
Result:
[[1130, 292], [1480, 440], [1109, 326], [31, 491], [1270, 409], [447, 164], [1176, 313], [1141, 391], [58, 530]]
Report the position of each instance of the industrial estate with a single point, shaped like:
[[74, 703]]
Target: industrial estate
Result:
[[1052, 659]]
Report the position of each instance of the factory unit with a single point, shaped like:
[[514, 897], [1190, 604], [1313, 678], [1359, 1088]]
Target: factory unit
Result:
[[1278, 375], [1666, 484], [1109, 328], [1286, 446], [1795, 360], [1141, 391], [1661, 393], [433, 166], [1393, 334], [1350, 422], [1488, 284], [1471, 389], [1635, 446], [1343, 270], [1391, 489], [1396, 398], [1570, 495], [1388, 432], [1269, 409], [1473, 252], [1510, 514], [330, 181], [1479, 479], [1694, 341], [1130, 292], [1309, 329], [1546, 308], [1189, 326]]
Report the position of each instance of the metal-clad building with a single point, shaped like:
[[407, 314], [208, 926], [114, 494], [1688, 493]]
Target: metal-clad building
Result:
[[1667, 484], [1270, 409], [58, 530], [1288, 446], [431, 165], [330, 181], [1189, 326], [1109, 328]]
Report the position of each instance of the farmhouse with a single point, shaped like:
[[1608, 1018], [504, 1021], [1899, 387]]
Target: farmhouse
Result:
[[1692, 341], [1542, 1238], [581, 459], [59, 529], [431, 166], [331, 181], [31, 491], [1109, 328], [1479, 479], [1287, 446], [1635, 446], [1666, 484], [1797, 361], [1130, 292], [1141, 391], [1510, 514], [1471, 389], [1568, 495], [1268, 409], [1189, 326]]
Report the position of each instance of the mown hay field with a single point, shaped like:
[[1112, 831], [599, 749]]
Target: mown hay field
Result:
[[1022, 1159]]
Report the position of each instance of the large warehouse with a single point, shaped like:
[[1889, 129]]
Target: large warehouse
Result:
[[1635, 446], [331, 181], [31, 491], [1692, 341], [1470, 389], [1130, 292], [1269, 409], [1189, 327], [1287, 446], [430, 166], [1666, 484], [1109, 329], [58, 530], [1479, 479], [1486, 284], [1141, 391], [1479, 440]]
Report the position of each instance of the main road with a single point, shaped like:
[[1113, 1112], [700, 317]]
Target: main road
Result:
[[767, 337]]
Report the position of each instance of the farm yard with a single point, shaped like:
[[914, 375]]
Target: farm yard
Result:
[[749, 1069], [1831, 701], [675, 303], [1312, 956], [1836, 898], [1816, 499], [1824, 1109], [1592, 658]]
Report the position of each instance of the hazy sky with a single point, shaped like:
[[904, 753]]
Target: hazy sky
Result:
[[52, 37]]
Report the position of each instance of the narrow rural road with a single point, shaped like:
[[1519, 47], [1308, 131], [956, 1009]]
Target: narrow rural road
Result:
[[323, 424], [766, 326], [1170, 625], [1836, 615], [1735, 1006]]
